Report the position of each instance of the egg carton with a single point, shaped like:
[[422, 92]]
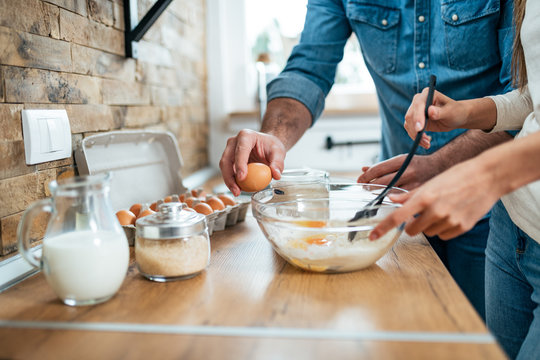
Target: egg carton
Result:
[[227, 217], [145, 166], [216, 221]]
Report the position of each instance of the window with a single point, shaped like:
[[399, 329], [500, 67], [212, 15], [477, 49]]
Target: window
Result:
[[273, 28], [239, 31]]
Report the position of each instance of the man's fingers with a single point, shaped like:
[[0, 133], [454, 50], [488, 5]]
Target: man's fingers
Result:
[[381, 169], [384, 180], [245, 141], [226, 164], [400, 198], [277, 164]]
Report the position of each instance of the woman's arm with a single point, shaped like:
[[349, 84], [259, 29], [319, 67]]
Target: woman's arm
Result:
[[447, 114], [452, 202]]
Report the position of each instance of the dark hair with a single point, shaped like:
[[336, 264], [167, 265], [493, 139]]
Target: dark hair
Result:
[[519, 70]]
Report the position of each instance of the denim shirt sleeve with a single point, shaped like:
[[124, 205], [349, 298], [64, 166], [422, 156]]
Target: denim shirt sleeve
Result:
[[506, 41], [311, 67]]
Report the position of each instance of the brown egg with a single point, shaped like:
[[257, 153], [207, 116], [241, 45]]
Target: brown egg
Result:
[[126, 217], [189, 201], [146, 213], [135, 209], [153, 206], [258, 177], [183, 196], [167, 199], [215, 203], [198, 193], [227, 200], [203, 208]]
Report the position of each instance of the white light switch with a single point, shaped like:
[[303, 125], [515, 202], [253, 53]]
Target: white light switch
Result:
[[47, 135]]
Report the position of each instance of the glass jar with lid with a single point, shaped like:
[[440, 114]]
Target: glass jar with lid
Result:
[[313, 182], [172, 244], [301, 176], [299, 183]]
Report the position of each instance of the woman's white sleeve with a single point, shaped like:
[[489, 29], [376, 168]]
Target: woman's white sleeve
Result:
[[512, 109]]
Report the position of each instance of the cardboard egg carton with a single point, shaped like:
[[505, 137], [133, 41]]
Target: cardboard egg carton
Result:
[[220, 219], [145, 166]]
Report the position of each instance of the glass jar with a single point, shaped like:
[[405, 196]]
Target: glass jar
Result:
[[301, 176], [296, 184], [172, 244]]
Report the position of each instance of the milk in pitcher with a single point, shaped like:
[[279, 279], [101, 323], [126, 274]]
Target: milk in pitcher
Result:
[[85, 266]]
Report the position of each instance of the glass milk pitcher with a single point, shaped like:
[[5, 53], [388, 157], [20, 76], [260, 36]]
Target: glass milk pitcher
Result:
[[85, 252]]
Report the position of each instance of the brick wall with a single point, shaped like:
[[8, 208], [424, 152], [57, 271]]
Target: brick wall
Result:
[[70, 54]]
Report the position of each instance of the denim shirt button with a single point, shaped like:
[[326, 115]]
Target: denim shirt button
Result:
[[421, 65], [384, 22], [421, 18], [455, 17]]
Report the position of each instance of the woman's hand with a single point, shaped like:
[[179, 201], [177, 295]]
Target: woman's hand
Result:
[[444, 115], [447, 205]]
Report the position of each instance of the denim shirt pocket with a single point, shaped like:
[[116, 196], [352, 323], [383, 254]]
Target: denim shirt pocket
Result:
[[470, 30], [377, 30]]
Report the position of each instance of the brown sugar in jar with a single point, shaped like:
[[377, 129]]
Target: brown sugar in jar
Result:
[[172, 244]]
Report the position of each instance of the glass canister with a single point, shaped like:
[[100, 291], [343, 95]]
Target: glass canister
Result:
[[296, 184], [85, 251], [172, 244], [301, 176], [312, 182]]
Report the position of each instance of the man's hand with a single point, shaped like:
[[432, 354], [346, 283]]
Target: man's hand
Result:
[[421, 169], [284, 123], [250, 146], [424, 167]]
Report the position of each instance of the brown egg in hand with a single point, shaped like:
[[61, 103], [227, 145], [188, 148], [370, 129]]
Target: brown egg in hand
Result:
[[258, 177]]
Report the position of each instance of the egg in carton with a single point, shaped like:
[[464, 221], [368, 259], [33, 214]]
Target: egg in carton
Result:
[[145, 166]]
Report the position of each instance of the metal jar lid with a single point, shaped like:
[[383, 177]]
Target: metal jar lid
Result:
[[171, 221]]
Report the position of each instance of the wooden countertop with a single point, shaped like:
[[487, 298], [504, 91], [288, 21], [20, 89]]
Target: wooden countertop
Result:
[[250, 304]]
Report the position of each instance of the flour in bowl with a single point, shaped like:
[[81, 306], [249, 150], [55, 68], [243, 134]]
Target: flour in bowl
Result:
[[328, 251]]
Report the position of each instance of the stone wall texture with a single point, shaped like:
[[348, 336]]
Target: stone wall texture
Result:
[[69, 54]]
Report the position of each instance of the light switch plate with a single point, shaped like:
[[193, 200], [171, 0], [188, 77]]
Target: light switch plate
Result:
[[47, 135]]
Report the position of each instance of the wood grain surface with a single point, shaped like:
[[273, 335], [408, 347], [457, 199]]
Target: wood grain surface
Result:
[[248, 286]]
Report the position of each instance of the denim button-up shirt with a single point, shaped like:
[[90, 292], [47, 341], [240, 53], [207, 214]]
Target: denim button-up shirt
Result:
[[467, 44]]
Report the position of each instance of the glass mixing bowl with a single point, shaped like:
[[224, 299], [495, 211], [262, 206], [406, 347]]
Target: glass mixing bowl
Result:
[[308, 225]]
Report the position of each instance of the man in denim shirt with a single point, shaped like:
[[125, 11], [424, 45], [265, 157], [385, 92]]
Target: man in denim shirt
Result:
[[467, 44]]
